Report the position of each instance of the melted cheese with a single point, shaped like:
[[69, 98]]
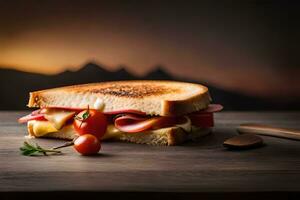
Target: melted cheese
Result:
[[40, 128], [58, 117], [111, 132]]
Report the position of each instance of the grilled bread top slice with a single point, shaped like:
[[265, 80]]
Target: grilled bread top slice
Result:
[[164, 98]]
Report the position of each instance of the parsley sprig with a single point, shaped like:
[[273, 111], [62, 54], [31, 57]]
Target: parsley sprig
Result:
[[30, 150]]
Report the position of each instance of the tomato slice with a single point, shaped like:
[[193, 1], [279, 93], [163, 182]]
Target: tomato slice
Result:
[[204, 120]]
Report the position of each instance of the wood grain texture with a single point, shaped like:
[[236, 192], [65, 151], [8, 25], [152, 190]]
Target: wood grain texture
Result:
[[205, 166]]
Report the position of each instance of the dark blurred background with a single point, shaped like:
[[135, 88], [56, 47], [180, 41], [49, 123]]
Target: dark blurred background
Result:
[[246, 52]]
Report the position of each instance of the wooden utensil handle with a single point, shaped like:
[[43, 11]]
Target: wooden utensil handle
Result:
[[261, 129]]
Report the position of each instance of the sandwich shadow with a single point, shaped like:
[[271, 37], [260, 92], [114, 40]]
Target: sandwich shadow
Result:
[[212, 141]]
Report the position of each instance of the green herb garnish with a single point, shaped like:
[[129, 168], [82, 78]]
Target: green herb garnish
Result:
[[30, 150], [84, 116]]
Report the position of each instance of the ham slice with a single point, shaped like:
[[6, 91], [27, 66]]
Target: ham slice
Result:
[[204, 118], [130, 111], [130, 123], [64, 108], [35, 116], [210, 109]]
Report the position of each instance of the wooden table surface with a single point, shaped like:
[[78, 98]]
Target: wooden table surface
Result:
[[195, 167]]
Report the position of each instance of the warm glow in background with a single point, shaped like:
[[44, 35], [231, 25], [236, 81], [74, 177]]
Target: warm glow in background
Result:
[[230, 45]]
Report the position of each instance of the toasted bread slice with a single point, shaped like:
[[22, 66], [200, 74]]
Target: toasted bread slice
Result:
[[161, 137], [162, 98]]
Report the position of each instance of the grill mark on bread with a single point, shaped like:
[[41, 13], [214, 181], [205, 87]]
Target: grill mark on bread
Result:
[[134, 91]]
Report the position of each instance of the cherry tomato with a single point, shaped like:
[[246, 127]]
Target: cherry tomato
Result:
[[203, 120], [87, 144], [90, 122]]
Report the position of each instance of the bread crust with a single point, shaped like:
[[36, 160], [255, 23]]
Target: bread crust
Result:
[[164, 98], [179, 107]]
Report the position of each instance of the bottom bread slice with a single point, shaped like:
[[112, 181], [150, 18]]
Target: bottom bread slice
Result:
[[164, 136]]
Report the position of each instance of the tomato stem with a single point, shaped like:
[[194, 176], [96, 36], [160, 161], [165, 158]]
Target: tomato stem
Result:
[[83, 117], [66, 144]]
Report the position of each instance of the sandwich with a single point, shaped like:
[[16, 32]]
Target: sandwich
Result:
[[145, 112]]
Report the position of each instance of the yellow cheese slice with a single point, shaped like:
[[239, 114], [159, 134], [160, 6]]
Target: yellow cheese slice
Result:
[[111, 132], [40, 128], [58, 117]]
